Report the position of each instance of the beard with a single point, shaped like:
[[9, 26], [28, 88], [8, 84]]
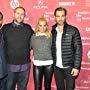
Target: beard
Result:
[[61, 22], [17, 22]]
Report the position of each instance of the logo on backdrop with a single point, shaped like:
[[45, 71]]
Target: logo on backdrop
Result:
[[88, 29], [40, 5], [49, 16], [14, 4], [87, 3], [40, 2], [66, 3], [83, 15]]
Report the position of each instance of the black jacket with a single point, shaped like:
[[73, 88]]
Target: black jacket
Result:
[[3, 66], [71, 46]]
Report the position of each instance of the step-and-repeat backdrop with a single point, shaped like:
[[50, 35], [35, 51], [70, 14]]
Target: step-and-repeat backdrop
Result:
[[78, 15]]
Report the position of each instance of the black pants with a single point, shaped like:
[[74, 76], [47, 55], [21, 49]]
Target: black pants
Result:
[[64, 79], [39, 72], [19, 78]]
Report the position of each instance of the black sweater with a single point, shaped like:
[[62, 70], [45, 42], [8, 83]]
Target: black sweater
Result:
[[16, 42]]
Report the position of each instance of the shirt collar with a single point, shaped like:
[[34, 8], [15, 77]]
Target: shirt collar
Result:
[[57, 29], [41, 34], [15, 25]]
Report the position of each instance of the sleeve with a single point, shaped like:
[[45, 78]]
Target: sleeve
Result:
[[31, 34], [31, 41], [31, 30], [3, 29], [78, 49]]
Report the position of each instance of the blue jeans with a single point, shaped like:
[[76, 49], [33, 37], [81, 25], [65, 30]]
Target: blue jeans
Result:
[[3, 83], [17, 78]]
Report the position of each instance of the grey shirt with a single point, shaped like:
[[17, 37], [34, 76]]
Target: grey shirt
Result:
[[41, 46]]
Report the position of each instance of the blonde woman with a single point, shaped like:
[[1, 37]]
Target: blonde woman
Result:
[[42, 60]]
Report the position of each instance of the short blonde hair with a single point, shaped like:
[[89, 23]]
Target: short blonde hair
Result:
[[47, 32]]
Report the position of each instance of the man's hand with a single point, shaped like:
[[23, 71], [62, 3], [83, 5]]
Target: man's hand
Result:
[[74, 72]]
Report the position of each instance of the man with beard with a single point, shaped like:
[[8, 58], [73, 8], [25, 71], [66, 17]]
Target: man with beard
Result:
[[3, 70], [17, 36], [66, 51]]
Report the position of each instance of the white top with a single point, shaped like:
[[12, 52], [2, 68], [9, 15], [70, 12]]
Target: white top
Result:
[[58, 49], [42, 63]]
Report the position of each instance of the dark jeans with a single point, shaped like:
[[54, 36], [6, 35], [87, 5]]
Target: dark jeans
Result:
[[39, 72], [64, 79], [19, 78], [3, 83]]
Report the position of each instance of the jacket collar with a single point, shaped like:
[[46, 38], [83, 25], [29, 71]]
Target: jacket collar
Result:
[[65, 27]]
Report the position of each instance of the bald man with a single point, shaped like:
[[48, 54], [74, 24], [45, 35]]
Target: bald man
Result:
[[17, 36]]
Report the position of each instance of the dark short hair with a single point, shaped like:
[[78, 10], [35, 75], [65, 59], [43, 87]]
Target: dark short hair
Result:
[[19, 8], [1, 15], [60, 9]]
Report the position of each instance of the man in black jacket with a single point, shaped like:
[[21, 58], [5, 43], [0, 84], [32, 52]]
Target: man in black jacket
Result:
[[17, 36], [3, 66], [66, 51]]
